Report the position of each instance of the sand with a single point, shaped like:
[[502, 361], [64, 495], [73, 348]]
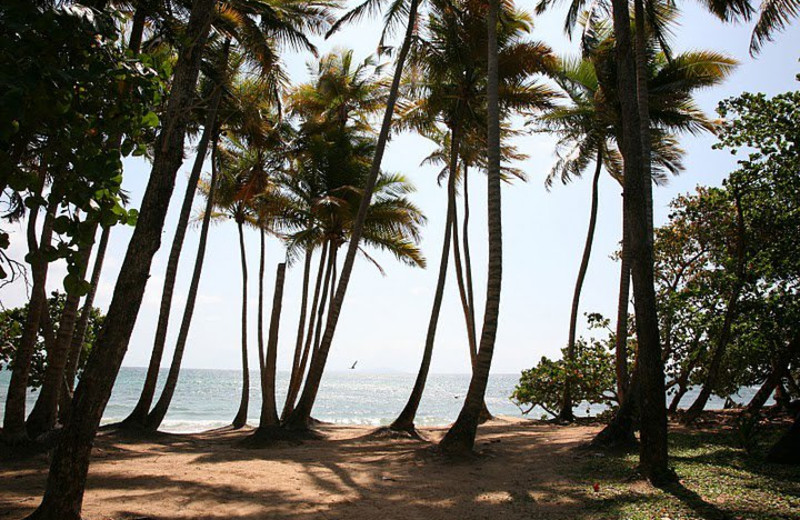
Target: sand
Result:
[[519, 473]]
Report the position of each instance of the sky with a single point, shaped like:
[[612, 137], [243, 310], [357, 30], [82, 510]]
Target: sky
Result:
[[384, 318]]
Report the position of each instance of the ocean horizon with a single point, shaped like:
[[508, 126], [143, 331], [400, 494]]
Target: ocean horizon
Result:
[[209, 398]]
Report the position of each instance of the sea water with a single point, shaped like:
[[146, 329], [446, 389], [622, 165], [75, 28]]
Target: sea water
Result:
[[206, 399]]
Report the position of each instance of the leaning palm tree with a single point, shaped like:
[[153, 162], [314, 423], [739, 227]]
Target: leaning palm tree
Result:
[[460, 438], [299, 418], [447, 87], [255, 28], [342, 95]]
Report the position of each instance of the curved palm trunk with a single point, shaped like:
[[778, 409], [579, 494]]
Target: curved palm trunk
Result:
[[44, 415], [14, 419], [241, 416], [566, 406], [159, 411], [138, 417], [405, 421], [486, 415], [78, 337], [294, 388], [465, 287], [324, 298], [298, 347], [619, 432], [299, 419], [725, 334], [460, 438], [63, 495], [269, 412], [260, 320]]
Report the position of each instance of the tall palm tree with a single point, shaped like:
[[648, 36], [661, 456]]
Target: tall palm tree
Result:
[[256, 27], [448, 87], [460, 438], [588, 127], [299, 418]]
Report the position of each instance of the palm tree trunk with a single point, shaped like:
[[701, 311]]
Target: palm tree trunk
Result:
[[294, 388], [299, 418], [260, 320], [486, 415], [76, 346], [405, 421], [566, 406], [653, 454], [301, 324], [460, 439], [241, 416], [138, 417], [465, 288], [66, 481], [14, 419], [159, 411], [44, 415], [730, 315], [269, 412], [324, 299]]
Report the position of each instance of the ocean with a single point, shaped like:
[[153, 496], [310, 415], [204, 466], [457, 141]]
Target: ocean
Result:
[[206, 399]]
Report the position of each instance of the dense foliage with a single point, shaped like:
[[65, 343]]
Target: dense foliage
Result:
[[12, 322]]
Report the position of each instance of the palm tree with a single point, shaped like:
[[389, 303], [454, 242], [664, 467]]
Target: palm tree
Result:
[[774, 16], [299, 418], [447, 87], [460, 438], [256, 26]]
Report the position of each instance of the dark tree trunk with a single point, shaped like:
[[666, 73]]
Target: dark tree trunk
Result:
[[324, 298], [241, 416], [653, 455], [294, 388], [156, 416], [44, 415], [405, 421], [269, 413], [299, 419], [465, 286], [460, 439], [619, 432], [14, 420], [298, 347], [566, 405], [138, 417], [787, 449], [79, 336], [779, 369], [66, 481]]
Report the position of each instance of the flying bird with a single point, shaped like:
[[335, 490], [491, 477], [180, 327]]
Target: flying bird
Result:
[[354, 365]]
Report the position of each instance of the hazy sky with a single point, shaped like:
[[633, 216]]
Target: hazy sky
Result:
[[384, 319]]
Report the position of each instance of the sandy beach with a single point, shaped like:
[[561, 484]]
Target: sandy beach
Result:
[[519, 473]]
